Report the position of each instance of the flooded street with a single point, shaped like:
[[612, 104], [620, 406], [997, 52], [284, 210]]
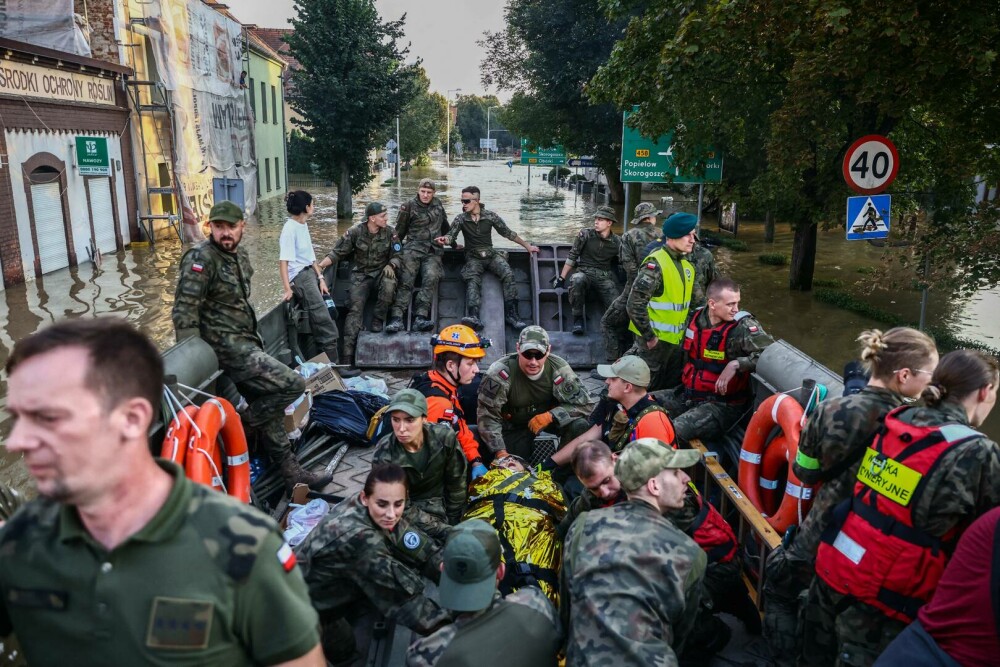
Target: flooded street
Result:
[[138, 283]]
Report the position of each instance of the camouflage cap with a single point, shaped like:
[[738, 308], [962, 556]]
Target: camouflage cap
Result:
[[533, 338], [426, 183], [410, 401], [645, 210], [374, 208], [629, 368], [225, 211], [471, 558], [678, 225], [607, 213], [646, 458]]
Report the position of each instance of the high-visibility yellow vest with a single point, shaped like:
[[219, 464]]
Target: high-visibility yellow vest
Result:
[[668, 311]]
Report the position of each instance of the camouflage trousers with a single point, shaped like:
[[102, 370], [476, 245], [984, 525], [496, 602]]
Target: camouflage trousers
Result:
[[785, 585], [362, 285], [268, 386], [584, 280], [703, 420], [614, 327], [665, 363], [473, 270], [520, 440], [430, 269], [305, 286], [843, 631]]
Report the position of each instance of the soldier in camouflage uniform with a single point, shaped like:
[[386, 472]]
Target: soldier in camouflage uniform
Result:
[[722, 346], [527, 392], [375, 248], [643, 232], [830, 448], [631, 580], [212, 301], [477, 224], [961, 482], [489, 631], [122, 560], [372, 549], [660, 299], [593, 254], [705, 272], [420, 221], [429, 453]]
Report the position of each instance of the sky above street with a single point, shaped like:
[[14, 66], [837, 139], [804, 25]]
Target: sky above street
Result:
[[442, 33]]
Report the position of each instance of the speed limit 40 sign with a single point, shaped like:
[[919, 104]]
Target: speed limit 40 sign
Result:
[[870, 164]]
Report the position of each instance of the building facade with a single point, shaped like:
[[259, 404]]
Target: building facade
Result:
[[67, 186], [267, 100]]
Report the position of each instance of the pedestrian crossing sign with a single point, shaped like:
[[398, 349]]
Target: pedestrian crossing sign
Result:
[[868, 217]]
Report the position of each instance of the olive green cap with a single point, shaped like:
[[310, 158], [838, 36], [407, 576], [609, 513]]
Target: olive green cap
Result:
[[645, 458], [471, 558], [225, 211], [374, 208], [645, 210], [410, 401], [607, 213], [629, 368]]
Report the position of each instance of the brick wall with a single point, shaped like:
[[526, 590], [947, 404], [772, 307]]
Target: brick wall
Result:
[[101, 17]]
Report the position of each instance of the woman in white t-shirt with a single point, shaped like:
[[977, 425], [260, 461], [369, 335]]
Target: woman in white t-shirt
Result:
[[300, 274]]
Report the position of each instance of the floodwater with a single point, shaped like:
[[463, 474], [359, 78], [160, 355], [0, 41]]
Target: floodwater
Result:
[[138, 283]]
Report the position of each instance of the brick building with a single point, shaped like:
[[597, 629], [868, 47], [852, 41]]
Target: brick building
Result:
[[67, 186]]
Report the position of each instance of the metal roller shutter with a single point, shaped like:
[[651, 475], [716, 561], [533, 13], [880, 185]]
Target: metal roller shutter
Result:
[[102, 214], [49, 226]]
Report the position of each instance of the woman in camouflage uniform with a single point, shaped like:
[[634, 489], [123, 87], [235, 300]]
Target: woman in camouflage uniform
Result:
[[367, 550], [900, 362]]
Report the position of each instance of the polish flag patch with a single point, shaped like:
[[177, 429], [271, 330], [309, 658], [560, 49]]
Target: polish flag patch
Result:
[[753, 329], [650, 265], [286, 557], [197, 268], [558, 381]]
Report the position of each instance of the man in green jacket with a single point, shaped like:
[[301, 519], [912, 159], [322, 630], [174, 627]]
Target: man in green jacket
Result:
[[659, 301], [212, 301]]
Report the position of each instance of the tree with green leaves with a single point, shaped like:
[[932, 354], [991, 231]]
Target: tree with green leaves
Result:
[[546, 54], [471, 123], [352, 82], [785, 87], [422, 121]]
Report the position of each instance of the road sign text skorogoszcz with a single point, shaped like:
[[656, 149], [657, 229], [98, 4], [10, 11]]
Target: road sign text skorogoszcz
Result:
[[871, 164], [646, 160], [868, 217], [554, 155]]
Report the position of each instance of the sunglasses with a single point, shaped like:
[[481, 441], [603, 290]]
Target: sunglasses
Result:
[[468, 201], [534, 355]]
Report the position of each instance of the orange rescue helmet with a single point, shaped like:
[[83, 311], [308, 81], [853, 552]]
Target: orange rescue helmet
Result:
[[461, 340]]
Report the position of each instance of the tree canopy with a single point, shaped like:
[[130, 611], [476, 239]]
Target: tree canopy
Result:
[[784, 88], [351, 84], [422, 121], [546, 53], [471, 123]]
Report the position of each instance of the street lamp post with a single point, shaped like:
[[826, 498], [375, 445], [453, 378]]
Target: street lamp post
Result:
[[488, 131], [447, 139]]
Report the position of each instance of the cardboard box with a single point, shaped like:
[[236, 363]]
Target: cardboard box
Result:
[[297, 414], [325, 380]]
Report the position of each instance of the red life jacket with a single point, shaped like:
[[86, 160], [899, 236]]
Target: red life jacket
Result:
[[877, 555], [430, 384], [706, 359], [712, 533]]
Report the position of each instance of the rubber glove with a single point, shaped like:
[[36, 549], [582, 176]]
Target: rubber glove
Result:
[[558, 282], [478, 470], [539, 422]]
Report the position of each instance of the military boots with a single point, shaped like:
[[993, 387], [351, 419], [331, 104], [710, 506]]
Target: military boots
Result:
[[293, 473], [376, 325], [472, 319], [578, 326], [513, 319], [395, 325], [421, 323]]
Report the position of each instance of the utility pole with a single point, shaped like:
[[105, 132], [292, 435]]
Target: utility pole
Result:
[[399, 154], [447, 139], [488, 131]]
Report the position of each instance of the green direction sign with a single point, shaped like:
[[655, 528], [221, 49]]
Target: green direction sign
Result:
[[647, 160], [92, 156], [542, 156]]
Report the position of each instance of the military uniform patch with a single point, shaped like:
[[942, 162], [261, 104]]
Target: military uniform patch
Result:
[[396, 247], [176, 623], [197, 268], [286, 557], [753, 329], [504, 375], [559, 380], [411, 540], [650, 265]]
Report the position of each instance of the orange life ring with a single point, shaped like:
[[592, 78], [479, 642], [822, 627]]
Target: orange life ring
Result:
[[772, 466], [785, 412], [217, 419], [175, 442]]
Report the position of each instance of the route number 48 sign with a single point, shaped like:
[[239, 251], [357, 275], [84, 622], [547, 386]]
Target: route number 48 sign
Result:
[[871, 164]]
